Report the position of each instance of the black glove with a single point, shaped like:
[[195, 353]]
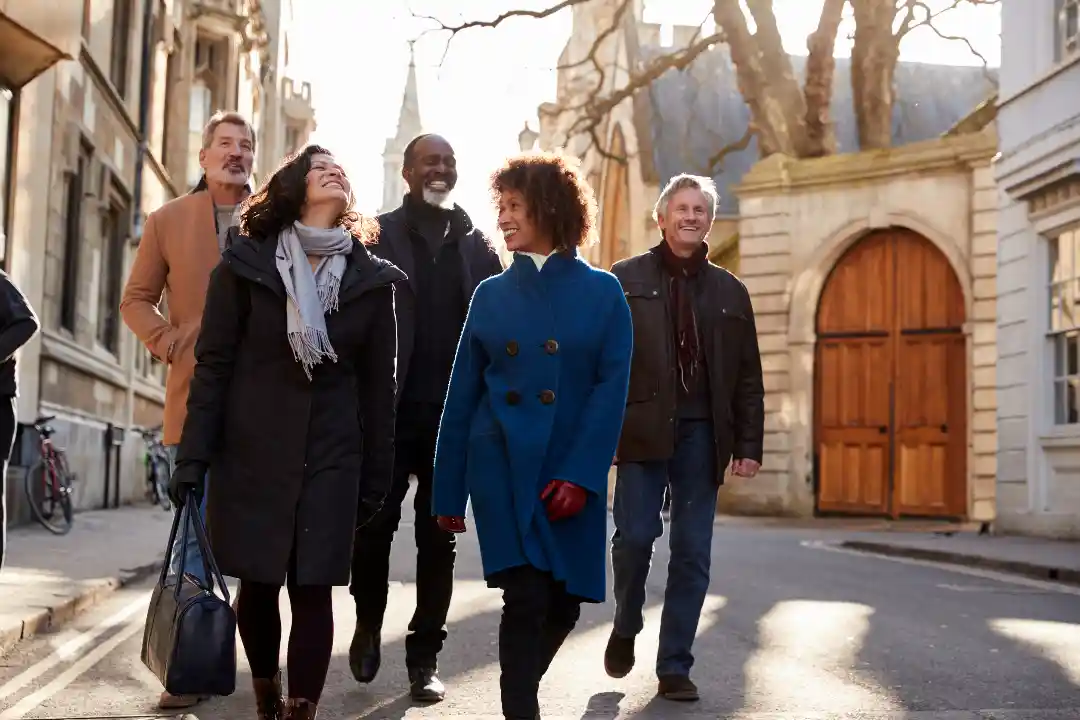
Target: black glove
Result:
[[188, 476], [368, 507]]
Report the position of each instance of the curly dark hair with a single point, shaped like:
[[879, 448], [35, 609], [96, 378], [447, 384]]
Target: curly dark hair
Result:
[[280, 201], [559, 200]]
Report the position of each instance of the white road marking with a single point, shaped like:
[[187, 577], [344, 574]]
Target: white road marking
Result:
[[71, 649], [964, 570], [32, 701]]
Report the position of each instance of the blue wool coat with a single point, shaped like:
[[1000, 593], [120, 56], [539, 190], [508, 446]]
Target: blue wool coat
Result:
[[537, 393]]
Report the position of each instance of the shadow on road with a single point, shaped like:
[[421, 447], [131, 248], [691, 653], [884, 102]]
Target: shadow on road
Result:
[[798, 630]]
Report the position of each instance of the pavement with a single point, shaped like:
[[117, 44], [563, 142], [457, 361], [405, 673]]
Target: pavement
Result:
[[799, 625], [48, 579]]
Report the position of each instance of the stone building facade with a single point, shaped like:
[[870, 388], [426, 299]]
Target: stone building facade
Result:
[[1038, 172], [873, 277], [81, 189], [681, 119]]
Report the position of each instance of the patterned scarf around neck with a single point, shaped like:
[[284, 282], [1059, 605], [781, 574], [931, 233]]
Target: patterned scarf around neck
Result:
[[311, 295], [681, 272]]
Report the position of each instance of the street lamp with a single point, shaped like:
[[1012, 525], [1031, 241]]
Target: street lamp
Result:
[[527, 138]]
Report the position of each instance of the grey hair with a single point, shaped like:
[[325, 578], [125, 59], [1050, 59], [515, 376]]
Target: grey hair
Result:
[[684, 181], [232, 118]]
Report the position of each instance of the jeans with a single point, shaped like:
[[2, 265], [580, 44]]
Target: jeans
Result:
[[193, 562], [638, 503], [436, 550]]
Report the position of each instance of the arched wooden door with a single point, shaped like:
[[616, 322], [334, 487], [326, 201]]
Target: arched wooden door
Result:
[[891, 389], [615, 204]]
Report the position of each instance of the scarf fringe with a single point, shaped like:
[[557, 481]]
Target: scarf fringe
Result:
[[328, 293], [310, 346]]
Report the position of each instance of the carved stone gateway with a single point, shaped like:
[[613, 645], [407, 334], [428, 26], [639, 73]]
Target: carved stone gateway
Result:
[[873, 278]]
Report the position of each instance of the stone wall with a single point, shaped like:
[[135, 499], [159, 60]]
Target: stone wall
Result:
[[798, 219]]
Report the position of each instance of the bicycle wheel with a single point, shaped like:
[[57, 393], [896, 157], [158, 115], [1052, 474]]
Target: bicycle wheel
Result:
[[48, 490], [159, 471]]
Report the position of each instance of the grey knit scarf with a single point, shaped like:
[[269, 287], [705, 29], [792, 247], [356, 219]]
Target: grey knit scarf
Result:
[[311, 295]]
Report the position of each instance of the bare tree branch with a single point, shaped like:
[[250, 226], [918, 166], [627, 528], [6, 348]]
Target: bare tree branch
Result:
[[716, 161], [455, 30]]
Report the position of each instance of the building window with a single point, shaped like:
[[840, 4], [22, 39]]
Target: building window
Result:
[[1068, 27], [75, 188], [1065, 325], [7, 152], [121, 41], [114, 235], [201, 98]]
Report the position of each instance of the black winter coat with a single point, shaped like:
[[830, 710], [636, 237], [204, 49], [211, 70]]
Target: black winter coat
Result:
[[479, 262], [289, 457]]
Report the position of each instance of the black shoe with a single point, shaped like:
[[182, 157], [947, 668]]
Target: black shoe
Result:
[[365, 654], [425, 686], [679, 688], [619, 656]]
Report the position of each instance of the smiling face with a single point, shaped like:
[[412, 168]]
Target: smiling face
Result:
[[431, 171], [686, 222], [228, 158], [519, 231], [327, 184]]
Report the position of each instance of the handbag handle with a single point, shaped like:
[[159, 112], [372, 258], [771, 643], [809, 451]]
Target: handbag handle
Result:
[[168, 549], [205, 552]]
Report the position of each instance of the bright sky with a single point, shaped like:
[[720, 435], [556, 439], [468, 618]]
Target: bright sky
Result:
[[356, 56]]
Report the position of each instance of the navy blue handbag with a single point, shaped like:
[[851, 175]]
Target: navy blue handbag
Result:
[[189, 642]]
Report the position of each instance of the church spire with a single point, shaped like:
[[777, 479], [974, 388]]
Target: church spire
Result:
[[408, 127]]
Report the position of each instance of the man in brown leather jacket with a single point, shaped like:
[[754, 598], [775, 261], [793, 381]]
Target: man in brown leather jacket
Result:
[[696, 402]]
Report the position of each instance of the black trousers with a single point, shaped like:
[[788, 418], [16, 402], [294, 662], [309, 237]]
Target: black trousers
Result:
[[537, 616], [417, 429], [7, 438]]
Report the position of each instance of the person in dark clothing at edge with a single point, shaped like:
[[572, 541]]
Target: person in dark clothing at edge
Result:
[[445, 257], [696, 401], [18, 324]]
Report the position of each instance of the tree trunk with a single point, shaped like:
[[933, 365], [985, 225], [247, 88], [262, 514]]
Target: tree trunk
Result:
[[769, 117], [818, 87], [873, 65]]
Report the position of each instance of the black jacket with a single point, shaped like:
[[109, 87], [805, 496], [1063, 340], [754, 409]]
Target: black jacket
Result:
[[289, 456], [479, 262], [731, 356], [18, 324]]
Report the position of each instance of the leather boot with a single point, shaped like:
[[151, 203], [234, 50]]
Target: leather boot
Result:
[[365, 654], [268, 702], [299, 709]]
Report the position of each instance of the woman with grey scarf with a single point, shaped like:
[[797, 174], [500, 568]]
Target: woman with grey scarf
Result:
[[291, 408]]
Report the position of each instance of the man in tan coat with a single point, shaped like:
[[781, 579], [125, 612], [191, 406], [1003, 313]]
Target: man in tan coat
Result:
[[181, 244]]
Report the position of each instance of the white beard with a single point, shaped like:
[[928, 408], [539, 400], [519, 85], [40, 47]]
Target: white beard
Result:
[[438, 199]]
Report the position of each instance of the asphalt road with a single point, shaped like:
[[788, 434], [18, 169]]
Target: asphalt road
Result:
[[793, 630]]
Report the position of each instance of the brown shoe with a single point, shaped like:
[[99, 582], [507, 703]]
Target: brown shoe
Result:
[[299, 709], [678, 688], [178, 702], [268, 702]]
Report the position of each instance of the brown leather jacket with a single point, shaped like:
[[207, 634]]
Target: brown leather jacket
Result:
[[726, 317]]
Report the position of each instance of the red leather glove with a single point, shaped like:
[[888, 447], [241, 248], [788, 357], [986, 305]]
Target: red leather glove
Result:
[[451, 524], [563, 499]]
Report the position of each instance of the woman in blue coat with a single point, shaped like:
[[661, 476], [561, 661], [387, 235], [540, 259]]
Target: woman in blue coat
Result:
[[533, 416]]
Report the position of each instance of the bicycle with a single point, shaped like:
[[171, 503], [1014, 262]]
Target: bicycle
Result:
[[49, 482], [156, 461]]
